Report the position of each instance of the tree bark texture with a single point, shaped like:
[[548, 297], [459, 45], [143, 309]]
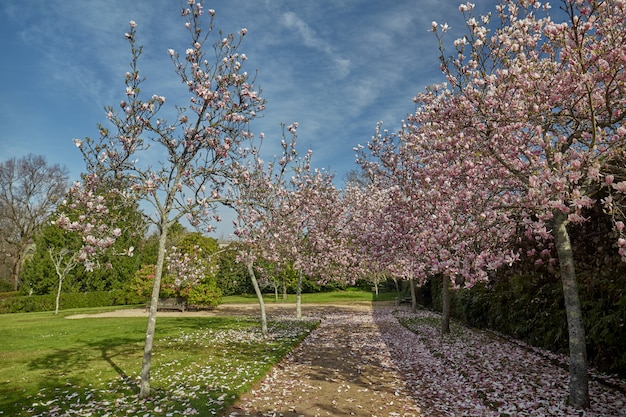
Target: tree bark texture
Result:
[[579, 379], [259, 295], [445, 303], [15, 272], [58, 299], [299, 297], [144, 390]]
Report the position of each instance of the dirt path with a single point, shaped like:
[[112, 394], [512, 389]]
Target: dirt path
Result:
[[342, 369]]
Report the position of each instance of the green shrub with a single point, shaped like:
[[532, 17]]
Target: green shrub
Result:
[[206, 295], [142, 282], [8, 294], [5, 286], [27, 304]]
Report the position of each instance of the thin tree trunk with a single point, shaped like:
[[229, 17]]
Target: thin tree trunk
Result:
[[259, 295], [579, 379], [299, 296], [56, 311], [58, 259], [398, 295], [284, 288], [445, 302], [276, 292], [16, 273], [413, 295], [144, 391]]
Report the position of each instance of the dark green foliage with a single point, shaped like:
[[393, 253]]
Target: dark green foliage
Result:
[[5, 286], [232, 277], [28, 304], [604, 311], [526, 302], [39, 275], [148, 249], [386, 286], [205, 295], [528, 310], [312, 285]]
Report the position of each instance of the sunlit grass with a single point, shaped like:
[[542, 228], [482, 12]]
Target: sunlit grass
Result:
[[345, 296], [50, 363]]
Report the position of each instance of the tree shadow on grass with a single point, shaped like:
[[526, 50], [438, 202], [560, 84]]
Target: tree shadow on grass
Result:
[[115, 348], [68, 366], [64, 371]]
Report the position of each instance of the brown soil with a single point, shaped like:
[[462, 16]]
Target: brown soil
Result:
[[336, 371]]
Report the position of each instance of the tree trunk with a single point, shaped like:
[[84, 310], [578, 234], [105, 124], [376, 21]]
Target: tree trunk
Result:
[[445, 303], [579, 379], [259, 295], [284, 289], [395, 281], [22, 255], [144, 391], [15, 272], [62, 267], [276, 292], [299, 296], [413, 295], [56, 311]]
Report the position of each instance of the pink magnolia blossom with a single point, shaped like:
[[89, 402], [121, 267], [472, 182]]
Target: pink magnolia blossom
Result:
[[205, 149]]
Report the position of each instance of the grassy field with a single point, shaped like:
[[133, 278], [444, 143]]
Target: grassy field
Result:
[[348, 295], [50, 365]]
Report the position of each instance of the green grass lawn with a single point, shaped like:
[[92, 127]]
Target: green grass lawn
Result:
[[50, 364], [345, 296]]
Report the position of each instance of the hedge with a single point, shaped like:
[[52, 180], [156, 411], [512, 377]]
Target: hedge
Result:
[[531, 308], [28, 304]]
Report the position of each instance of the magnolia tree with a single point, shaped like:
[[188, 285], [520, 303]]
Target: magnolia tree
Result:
[[439, 219], [189, 270], [319, 243], [541, 103], [373, 258], [380, 240], [293, 222], [87, 213], [196, 160], [267, 212], [189, 273]]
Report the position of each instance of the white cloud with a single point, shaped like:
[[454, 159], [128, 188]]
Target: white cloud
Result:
[[311, 39], [336, 67]]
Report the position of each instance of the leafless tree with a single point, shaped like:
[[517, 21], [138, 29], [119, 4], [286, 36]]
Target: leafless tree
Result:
[[30, 189]]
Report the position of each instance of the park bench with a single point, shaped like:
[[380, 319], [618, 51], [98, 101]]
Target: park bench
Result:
[[170, 304], [403, 300]]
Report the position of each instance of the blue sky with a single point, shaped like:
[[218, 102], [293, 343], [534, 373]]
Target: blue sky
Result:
[[337, 67]]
